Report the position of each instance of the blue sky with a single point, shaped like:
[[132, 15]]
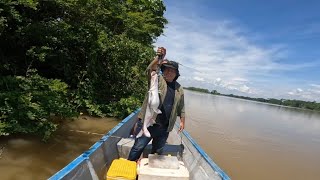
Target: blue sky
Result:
[[267, 49]]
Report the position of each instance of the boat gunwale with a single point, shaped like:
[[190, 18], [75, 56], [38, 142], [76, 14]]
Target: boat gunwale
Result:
[[85, 156], [203, 154]]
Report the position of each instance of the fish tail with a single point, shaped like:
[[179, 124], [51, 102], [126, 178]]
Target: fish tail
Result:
[[157, 111], [140, 133], [146, 132]]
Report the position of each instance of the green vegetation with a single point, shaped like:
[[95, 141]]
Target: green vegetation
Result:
[[285, 102], [61, 57], [197, 89]]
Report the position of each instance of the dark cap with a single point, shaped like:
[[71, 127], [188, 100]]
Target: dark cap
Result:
[[170, 64]]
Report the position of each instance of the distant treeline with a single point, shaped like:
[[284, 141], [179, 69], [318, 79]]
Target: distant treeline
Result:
[[285, 102]]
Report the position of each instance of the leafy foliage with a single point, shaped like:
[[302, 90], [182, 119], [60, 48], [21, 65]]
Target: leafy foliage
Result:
[[123, 107], [98, 48], [198, 89], [26, 104]]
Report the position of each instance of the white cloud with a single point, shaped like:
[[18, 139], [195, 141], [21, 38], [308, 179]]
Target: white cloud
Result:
[[219, 53], [297, 91], [245, 88], [217, 81], [310, 94], [240, 79], [198, 79], [317, 86]]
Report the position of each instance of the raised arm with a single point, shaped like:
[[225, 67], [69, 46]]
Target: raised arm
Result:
[[161, 52]]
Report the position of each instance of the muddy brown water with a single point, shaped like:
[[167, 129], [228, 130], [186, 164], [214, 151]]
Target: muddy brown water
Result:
[[252, 140], [30, 159], [248, 140]]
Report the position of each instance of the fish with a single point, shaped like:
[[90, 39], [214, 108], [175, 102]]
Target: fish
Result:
[[152, 106]]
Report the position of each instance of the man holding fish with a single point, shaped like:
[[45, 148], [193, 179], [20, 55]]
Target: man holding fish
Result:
[[162, 104]]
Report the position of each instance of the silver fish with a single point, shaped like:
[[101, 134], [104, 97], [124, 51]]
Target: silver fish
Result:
[[152, 106]]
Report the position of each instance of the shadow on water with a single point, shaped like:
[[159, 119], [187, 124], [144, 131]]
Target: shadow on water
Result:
[[26, 157]]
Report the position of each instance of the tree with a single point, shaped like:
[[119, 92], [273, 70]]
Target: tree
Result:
[[99, 48], [214, 92]]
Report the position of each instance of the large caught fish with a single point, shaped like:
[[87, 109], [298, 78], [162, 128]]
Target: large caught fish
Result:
[[152, 105]]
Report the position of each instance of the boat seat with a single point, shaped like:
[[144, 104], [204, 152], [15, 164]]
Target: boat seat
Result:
[[168, 149], [125, 144]]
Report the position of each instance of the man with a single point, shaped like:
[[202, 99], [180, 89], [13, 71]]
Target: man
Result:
[[171, 105]]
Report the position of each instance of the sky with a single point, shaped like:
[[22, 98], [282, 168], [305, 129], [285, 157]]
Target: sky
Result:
[[256, 48]]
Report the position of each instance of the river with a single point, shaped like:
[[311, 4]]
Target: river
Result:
[[252, 140], [25, 157], [247, 139]]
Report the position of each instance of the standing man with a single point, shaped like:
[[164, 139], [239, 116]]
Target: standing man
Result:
[[171, 105]]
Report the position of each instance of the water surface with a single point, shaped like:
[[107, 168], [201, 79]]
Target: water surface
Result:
[[247, 139], [28, 158], [252, 140]]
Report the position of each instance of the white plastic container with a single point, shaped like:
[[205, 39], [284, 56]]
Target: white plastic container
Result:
[[147, 173]]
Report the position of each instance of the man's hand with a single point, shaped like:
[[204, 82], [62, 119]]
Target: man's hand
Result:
[[181, 128], [161, 52], [136, 128]]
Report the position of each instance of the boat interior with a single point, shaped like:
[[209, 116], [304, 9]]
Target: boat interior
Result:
[[94, 163]]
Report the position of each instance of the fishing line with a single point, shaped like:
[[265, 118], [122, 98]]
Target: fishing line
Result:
[[93, 133], [190, 68]]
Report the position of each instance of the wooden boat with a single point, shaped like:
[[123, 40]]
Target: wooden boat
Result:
[[94, 163]]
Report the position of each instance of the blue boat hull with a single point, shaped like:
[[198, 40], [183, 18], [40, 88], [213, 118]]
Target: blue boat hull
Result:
[[94, 163]]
